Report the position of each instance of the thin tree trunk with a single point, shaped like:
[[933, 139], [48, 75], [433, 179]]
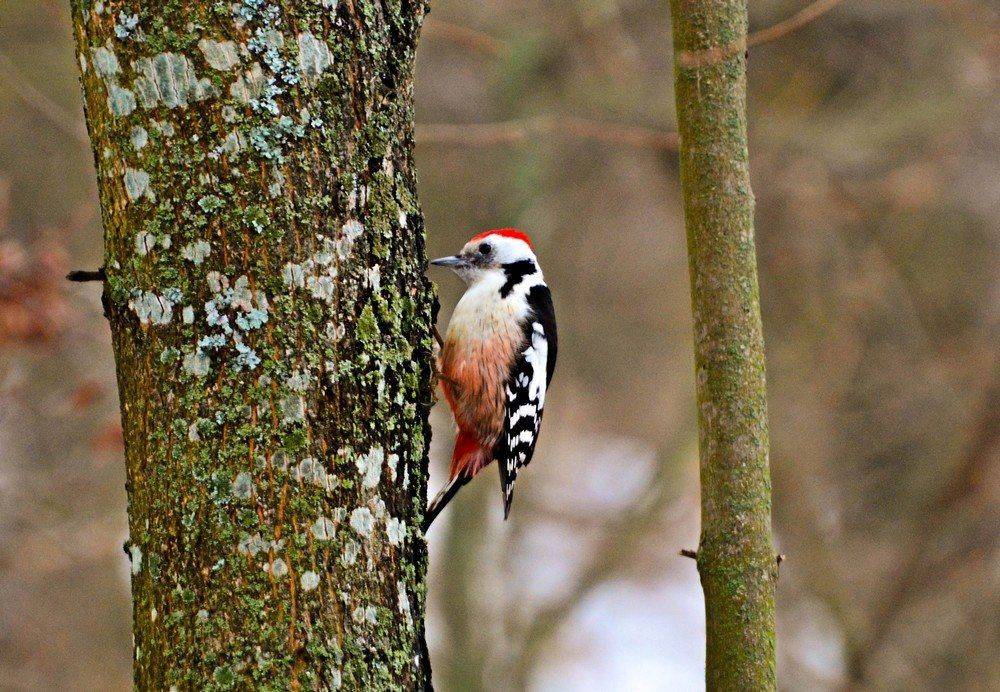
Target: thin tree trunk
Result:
[[271, 329], [736, 560]]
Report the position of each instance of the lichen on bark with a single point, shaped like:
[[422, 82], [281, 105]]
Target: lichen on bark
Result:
[[736, 561], [271, 328]]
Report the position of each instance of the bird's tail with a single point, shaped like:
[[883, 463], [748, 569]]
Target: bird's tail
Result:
[[443, 497], [466, 461]]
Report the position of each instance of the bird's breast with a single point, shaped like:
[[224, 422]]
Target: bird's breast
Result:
[[480, 345]]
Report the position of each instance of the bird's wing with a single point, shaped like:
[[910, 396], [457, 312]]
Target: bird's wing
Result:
[[526, 384]]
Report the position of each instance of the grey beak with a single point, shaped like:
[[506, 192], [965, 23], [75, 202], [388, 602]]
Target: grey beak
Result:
[[453, 262]]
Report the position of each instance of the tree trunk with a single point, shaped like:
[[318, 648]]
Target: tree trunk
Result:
[[271, 327], [736, 560]]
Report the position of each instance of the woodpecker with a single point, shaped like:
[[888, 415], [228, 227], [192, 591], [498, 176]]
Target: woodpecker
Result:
[[497, 360]]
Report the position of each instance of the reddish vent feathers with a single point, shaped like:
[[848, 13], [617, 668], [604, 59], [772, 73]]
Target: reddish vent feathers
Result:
[[469, 456]]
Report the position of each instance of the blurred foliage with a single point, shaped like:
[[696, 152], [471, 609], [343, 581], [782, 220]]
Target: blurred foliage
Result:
[[874, 147]]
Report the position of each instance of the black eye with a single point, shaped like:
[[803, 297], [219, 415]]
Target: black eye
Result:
[[485, 249]]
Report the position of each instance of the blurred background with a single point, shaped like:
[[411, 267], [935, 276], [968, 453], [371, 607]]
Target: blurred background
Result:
[[875, 156]]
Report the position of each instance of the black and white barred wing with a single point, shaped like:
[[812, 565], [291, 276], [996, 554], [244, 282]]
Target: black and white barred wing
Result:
[[525, 389]]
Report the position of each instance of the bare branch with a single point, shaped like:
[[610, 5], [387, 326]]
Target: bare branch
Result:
[[518, 131], [40, 102], [472, 39], [709, 56]]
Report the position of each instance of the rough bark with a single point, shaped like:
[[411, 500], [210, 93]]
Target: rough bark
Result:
[[736, 561], [271, 328]]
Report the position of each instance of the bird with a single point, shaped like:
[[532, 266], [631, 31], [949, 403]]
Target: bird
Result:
[[496, 360]]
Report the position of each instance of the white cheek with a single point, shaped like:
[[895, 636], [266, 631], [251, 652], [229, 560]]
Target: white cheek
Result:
[[469, 275]]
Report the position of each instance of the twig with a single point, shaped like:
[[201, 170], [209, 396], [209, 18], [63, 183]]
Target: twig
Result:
[[84, 275], [518, 131], [693, 554], [26, 91], [710, 56], [437, 336], [464, 36]]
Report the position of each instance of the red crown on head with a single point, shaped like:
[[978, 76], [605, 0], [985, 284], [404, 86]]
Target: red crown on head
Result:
[[506, 233]]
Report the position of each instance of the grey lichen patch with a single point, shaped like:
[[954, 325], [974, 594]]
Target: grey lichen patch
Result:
[[135, 556], [105, 61], [137, 184], [309, 581], [310, 470], [278, 568], [323, 529], [298, 381], [365, 615], [370, 467], [151, 308], [127, 25], [293, 275], [197, 251], [139, 137], [233, 143], [243, 486], [293, 409], [250, 85], [121, 101], [197, 363], [170, 79], [164, 127], [314, 57], [396, 531], [351, 551], [233, 313], [277, 184], [351, 231], [220, 55], [403, 600], [144, 243], [362, 521], [323, 287], [319, 272], [252, 545]]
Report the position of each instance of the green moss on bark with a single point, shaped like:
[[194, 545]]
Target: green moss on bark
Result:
[[271, 327], [736, 560]]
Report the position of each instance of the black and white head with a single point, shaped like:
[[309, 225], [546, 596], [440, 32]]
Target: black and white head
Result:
[[498, 254]]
